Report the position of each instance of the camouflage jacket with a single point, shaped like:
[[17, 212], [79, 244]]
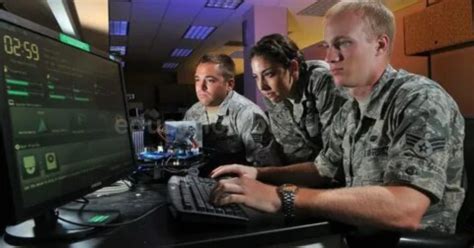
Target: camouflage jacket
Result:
[[410, 134], [241, 133], [298, 126]]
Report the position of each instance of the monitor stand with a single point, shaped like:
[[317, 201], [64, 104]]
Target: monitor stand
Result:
[[48, 227]]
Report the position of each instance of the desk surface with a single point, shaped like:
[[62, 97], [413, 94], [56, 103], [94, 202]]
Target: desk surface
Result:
[[160, 229]]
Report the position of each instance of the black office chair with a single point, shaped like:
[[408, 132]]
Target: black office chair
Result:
[[464, 237]]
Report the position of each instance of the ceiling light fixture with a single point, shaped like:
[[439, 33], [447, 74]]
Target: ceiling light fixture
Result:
[[63, 16], [118, 28], [170, 65], [118, 50], [198, 32], [181, 52], [224, 4]]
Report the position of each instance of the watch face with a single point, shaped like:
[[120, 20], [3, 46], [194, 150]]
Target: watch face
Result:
[[289, 187]]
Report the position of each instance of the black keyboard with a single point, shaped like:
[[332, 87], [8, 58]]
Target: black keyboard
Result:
[[189, 196]]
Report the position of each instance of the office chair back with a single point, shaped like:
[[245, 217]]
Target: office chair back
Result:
[[465, 222]]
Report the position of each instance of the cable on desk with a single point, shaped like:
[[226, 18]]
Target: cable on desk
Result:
[[82, 200], [173, 170], [128, 183], [141, 169], [114, 224], [84, 203]]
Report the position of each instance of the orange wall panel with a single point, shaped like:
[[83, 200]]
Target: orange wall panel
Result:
[[441, 25], [454, 70], [399, 60]]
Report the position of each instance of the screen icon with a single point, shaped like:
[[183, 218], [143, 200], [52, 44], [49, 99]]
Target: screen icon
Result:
[[51, 163], [30, 168]]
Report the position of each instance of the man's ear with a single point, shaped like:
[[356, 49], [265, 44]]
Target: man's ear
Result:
[[231, 83], [383, 42]]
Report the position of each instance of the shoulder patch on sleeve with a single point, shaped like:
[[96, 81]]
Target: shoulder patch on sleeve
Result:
[[259, 130], [424, 147]]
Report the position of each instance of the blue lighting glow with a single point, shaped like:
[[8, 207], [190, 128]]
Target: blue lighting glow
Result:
[[118, 28], [170, 65], [118, 50], [198, 32], [181, 52], [224, 4]]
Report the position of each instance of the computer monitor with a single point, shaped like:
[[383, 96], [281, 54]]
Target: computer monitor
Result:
[[186, 135], [63, 130]]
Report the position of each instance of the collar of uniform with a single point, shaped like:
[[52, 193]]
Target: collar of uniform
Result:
[[278, 109], [199, 108], [269, 104], [379, 93], [223, 108]]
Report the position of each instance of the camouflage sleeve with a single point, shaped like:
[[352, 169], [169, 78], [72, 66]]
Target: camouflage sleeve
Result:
[[329, 160], [188, 116], [261, 148], [418, 154], [329, 99]]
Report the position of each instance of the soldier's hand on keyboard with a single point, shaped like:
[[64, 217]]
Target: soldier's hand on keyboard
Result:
[[247, 191], [236, 169]]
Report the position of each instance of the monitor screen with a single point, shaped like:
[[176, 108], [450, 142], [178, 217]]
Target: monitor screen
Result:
[[64, 119], [185, 135]]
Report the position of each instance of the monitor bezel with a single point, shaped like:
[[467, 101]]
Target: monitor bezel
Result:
[[16, 211]]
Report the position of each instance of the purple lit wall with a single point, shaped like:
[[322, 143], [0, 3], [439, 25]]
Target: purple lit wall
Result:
[[258, 22]]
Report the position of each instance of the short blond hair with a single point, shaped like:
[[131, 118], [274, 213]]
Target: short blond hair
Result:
[[377, 16]]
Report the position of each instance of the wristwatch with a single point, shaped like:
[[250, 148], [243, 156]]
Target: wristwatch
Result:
[[287, 193]]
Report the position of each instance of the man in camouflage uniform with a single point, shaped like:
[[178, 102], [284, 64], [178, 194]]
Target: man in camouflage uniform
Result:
[[398, 143], [235, 129], [409, 133], [300, 113]]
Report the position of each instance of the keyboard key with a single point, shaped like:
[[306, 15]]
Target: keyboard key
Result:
[[191, 202]]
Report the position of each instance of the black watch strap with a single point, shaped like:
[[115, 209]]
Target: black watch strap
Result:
[[287, 193]]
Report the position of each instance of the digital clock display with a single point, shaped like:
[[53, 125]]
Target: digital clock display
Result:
[[20, 48]]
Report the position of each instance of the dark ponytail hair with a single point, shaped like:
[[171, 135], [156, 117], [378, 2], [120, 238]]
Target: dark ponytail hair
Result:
[[280, 49]]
